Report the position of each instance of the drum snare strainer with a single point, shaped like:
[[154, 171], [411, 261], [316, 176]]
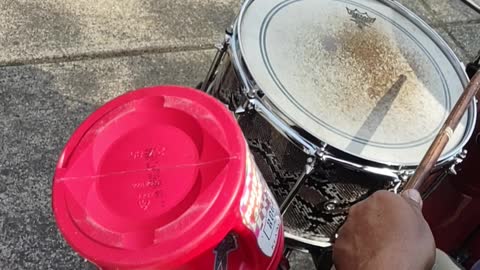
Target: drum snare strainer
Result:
[[365, 85]]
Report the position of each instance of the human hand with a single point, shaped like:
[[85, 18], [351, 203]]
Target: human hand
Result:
[[385, 231]]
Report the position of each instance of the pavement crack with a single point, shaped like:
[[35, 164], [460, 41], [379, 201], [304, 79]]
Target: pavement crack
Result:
[[457, 23], [95, 55]]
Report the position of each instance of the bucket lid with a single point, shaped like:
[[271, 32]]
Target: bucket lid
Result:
[[150, 179]]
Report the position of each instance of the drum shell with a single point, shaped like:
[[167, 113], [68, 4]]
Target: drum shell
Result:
[[220, 217]]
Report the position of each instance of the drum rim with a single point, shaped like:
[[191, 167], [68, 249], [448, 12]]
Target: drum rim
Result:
[[249, 83], [325, 243]]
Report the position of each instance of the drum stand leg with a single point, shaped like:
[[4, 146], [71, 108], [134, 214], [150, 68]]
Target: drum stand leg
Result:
[[300, 181], [221, 50]]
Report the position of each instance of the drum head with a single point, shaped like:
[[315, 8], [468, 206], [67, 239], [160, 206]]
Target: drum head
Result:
[[358, 75]]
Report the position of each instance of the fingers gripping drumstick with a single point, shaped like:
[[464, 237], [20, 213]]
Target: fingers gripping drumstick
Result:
[[431, 157]]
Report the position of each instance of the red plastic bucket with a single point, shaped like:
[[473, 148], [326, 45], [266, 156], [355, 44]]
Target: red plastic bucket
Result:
[[161, 178]]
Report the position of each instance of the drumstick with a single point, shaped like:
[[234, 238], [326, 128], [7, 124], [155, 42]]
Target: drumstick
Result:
[[436, 148]]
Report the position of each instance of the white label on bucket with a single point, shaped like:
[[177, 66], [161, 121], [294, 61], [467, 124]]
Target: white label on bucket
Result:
[[260, 212]]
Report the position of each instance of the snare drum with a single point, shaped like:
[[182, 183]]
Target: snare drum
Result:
[[354, 90]]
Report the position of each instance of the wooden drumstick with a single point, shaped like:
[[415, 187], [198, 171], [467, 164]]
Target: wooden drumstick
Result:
[[431, 157]]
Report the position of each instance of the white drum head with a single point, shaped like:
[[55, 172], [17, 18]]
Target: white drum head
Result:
[[357, 75]]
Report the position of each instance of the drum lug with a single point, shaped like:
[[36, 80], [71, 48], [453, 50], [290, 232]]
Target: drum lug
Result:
[[322, 152], [252, 91], [402, 177], [310, 165], [452, 170], [457, 160], [405, 174], [396, 184]]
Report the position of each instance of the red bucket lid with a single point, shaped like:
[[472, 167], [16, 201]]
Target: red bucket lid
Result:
[[151, 178]]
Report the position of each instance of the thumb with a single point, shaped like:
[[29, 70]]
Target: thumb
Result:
[[413, 197]]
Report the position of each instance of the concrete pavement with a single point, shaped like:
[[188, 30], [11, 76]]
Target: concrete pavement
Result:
[[39, 31], [61, 59], [41, 105]]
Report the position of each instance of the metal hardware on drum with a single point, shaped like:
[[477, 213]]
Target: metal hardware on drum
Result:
[[444, 135], [397, 184], [330, 206], [443, 173], [243, 108], [390, 173], [457, 160], [300, 182]]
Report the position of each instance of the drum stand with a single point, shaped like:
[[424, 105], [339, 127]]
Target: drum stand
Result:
[[221, 50], [472, 5], [321, 256]]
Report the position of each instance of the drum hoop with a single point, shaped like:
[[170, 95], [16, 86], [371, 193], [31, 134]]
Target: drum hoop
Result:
[[324, 243], [275, 116]]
